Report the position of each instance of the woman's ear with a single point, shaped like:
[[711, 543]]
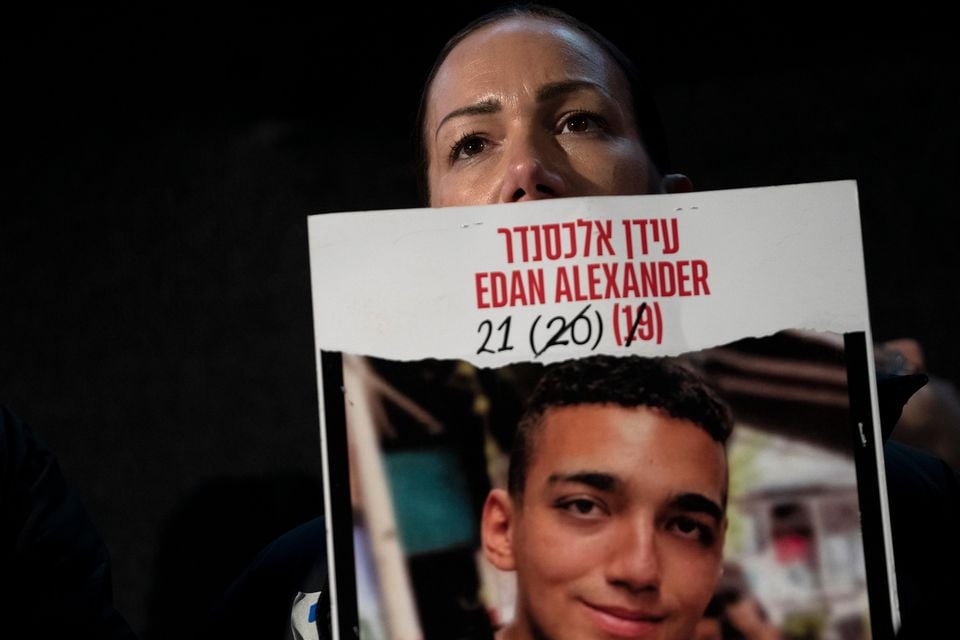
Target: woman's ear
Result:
[[676, 183], [496, 530]]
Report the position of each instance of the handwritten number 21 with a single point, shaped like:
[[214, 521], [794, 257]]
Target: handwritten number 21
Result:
[[504, 328]]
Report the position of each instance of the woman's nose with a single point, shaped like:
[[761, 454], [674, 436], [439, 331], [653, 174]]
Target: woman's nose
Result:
[[530, 174]]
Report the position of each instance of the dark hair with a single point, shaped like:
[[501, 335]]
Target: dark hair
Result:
[[631, 381], [645, 114]]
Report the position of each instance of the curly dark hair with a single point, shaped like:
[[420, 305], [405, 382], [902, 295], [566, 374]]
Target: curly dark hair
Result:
[[631, 381]]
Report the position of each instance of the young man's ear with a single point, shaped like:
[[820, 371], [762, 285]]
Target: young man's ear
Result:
[[496, 530], [676, 183]]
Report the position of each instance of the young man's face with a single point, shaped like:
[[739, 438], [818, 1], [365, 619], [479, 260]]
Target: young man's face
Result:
[[620, 528]]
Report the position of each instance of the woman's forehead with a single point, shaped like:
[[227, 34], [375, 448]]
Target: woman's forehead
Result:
[[531, 31], [514, 55]]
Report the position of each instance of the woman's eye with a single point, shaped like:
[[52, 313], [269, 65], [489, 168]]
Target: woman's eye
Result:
[[581, 123], [467, 147]]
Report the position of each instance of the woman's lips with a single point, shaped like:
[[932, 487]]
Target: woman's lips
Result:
[[625, 622]]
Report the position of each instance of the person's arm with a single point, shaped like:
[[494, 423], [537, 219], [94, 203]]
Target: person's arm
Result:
[[54, 566]]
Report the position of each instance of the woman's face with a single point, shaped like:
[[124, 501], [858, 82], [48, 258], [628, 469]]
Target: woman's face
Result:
[[527, 108]]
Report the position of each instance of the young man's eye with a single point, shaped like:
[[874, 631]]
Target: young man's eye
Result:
[[467, 146], [692, 529], [581, 507]]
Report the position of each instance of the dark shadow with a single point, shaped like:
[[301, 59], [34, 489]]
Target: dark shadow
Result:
[[211, 538]]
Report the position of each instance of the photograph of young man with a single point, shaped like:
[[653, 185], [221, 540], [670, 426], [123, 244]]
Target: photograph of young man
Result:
[[614, 516]]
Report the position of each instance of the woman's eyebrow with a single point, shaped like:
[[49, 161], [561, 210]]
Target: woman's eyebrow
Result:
[[558, 89], [483, 107]]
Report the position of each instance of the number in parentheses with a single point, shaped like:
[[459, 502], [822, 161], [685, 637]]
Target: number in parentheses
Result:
[[557, 338]]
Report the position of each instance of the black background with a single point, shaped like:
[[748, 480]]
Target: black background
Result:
[[155, 313]]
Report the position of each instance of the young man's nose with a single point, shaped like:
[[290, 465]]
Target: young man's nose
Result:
[[634, 560], [530, 173]]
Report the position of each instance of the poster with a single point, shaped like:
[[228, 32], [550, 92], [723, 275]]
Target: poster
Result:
[[434, 327]]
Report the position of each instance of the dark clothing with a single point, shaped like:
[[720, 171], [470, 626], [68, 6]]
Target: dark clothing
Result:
[[261, 603], [924, 498], [54, 567]]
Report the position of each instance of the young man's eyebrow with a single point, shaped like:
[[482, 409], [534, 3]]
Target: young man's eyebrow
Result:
[[595, 479], [489, 105], [695, 502]]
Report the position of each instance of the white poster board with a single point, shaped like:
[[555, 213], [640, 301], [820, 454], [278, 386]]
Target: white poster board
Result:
[[433, 324]]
